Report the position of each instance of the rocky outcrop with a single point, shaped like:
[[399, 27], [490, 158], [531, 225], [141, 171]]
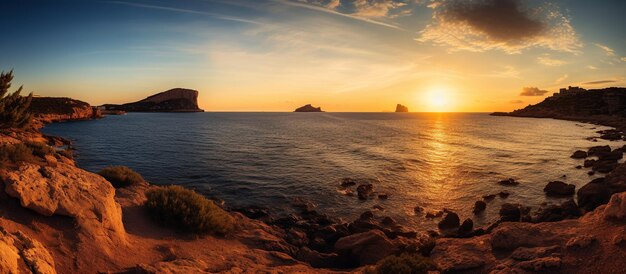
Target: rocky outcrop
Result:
[[308, 108], [556, 247], [173, 100], [56, 109], [559, 189], [70, 191], [401, 108], [18, 250]]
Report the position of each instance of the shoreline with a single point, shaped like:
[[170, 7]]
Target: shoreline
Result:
[[309, 221]]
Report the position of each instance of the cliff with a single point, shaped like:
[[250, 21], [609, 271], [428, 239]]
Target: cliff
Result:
[[173, 100], [401, 108], [55, 109], [308, 108]]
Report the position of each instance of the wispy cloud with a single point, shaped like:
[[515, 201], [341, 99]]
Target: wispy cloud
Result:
[[561, 79], [516, 102], [326, 9], [188, 11], [592, 67], [499, 24], [599, 82], [608, 51], [533, 91], [549, 61]]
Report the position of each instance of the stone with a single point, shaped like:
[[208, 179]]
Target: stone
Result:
[[489, 197], [598, 150], [593, 195], [616, 208], [614, 155], [450, 221], [504, 194], [69, 191], [589, 163], [582, 241], [317, 259], [479, 206], [531, 253], [348, 182], [579, 154], [388, 221], [36, 256], [9, 254], [513, 212], [508, 182], [559, 189], [383, 196], [364, 191], [466, 227], [457, 255], [554, 213], [365, 248], [541, 264]]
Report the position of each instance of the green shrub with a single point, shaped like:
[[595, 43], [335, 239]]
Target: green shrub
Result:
[[121, 176], [13, 107], [404, 264], [41, 149], [187, 210], [15, 153]]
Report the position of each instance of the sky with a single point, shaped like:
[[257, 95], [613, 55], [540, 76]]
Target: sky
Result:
[[342, 55]]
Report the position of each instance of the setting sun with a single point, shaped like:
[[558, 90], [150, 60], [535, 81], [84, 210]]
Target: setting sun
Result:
[[438, 99]]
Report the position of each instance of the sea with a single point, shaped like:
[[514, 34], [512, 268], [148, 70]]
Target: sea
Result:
[[426, 160]]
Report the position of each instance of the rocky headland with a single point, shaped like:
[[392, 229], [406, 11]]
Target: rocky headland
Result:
[[308, 108], [173, 100], [58, 109]]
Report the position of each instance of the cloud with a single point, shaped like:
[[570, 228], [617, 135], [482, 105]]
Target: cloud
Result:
[[608, 51], [517, 102], [331, 8], [532, 91], [507, 25], [623, 59], [592, 67], [180, 10], [561, 79], [599, 82], [549, 61]]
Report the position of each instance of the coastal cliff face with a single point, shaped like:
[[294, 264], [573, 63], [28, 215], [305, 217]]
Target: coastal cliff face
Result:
[[173, 100], [56, 109]]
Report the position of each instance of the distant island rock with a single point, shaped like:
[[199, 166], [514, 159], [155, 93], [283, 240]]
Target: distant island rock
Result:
[[401, 108], [173, 100], [308, 108]]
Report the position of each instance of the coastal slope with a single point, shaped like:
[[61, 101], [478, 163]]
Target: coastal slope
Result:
[[173, 100]]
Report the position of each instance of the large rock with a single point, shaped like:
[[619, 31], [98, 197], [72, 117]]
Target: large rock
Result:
[[599, 150], [616, 208], [54, 109], [308, 108], [70, 191], [450, 221], [593, 195], [9, 255], [365, 248], [558, 189], [18, 250], [579, 154], [401, 108], [453, 255]]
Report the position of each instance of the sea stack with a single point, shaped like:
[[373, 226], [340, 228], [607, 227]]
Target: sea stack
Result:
[[173, 100], [401, 108], [308, 108]]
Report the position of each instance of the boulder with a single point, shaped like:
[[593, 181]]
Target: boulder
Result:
[[9, 254], [364, 191], [604, 166], [504, 194], [579, 154], [554, 213], [450, 221], [593, 195], [589, 163], [513, 212], [317, 259], [17, 247], [479, 206], [365, 248], [70, 191], [508, 182], [348, 182], [598, 150], [616, 208], [466, 227], [614, 155], [559, 189], [457, 255]]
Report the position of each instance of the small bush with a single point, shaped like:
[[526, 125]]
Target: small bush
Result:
[[187, 210], [15, 153], [121, 176], [13, 107], [404, 264], [41, 149]]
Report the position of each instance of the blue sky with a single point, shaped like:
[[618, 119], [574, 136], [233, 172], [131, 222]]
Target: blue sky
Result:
[[358, 55]]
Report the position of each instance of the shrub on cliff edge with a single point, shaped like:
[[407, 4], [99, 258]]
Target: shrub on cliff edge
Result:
[[15, 153], [187, 210], [121, 176], [402, 264], [13, 107]]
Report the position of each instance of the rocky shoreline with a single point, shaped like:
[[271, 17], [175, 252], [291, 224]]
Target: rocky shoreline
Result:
[[91, 216]]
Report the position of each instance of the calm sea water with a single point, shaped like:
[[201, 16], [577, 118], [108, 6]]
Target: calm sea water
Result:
[[430, 160]]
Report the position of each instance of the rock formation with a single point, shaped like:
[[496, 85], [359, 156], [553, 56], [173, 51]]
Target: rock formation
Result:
[[401, 108], [173, 100], [55, 109], [308, 108]]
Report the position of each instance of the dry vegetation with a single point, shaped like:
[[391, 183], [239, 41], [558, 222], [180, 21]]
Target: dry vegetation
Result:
[[121, 176]]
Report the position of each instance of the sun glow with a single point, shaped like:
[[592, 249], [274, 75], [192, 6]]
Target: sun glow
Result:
[[438, 99]]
